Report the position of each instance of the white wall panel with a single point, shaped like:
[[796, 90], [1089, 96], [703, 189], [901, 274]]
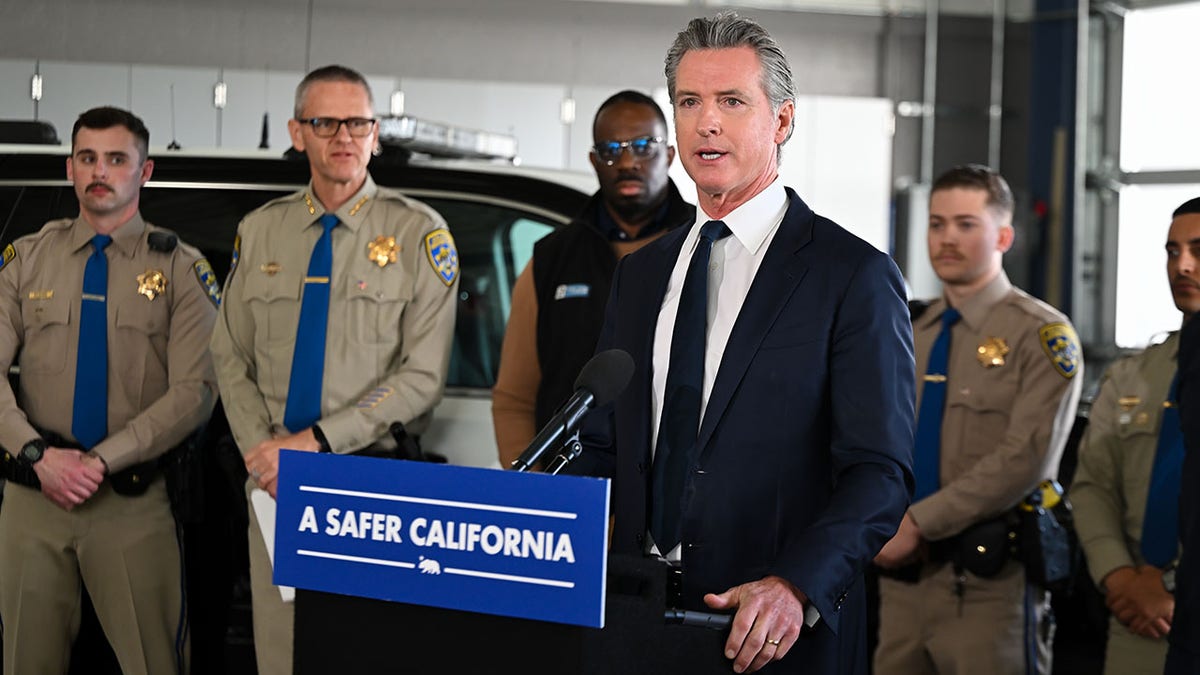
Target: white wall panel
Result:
[[528, 111], [193, 123], [15, 78], [250, 94], [71, 88]]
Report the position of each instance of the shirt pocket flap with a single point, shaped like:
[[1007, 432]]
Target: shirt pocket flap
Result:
[[386, 285], [38, 314], [282, 285], [146, 319]]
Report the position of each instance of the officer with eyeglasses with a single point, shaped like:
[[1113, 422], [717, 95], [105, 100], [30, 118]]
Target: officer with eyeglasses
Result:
[[337, 319], [558, 301]]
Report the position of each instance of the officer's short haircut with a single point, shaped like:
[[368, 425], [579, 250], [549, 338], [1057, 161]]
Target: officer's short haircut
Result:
[[1189, 207], [979, 177], [107, 117], [628, 96], [333, 73]]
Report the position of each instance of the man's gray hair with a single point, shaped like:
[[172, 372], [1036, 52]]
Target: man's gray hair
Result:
[[333, 73], [727, 30]]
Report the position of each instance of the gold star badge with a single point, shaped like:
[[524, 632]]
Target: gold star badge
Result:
[[992, 352], [152, 283], [383, 250]]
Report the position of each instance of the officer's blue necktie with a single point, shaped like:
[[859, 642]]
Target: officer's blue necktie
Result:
[[927, 449], [1160, 525], [680, 421], [308, 360], [89, 419]]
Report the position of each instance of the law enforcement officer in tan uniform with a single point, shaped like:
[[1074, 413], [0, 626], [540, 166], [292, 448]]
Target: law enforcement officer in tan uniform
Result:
[[110, 317], [368, 273], [995, 406], [1126, 490]]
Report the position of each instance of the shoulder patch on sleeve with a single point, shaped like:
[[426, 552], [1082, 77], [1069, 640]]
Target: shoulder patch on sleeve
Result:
[[1061, 345], [236, 256], [208, 280], [443, 257], [10, 254]]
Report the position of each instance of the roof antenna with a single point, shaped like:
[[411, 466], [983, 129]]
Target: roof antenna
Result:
[[262, 141], [174, 145]]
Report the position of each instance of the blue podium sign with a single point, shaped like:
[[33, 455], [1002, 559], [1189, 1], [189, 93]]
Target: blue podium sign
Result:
[[480, 540]]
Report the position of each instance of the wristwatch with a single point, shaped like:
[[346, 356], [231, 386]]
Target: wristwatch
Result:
[[1168, 578], [31, 452]]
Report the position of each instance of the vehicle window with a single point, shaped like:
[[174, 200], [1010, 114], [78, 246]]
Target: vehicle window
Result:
[[525, 233], [492, 250]]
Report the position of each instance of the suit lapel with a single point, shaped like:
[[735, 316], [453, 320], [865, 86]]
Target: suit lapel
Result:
[[781, 271]]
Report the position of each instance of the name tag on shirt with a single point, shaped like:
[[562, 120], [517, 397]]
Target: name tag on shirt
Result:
[[565, 291]]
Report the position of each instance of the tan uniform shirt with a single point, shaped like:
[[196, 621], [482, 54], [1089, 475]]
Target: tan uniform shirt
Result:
[[1015, 373], [390, 326], [161, 385], [1116, 458], [514, 398]]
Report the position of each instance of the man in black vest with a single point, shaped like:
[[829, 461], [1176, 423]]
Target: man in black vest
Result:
[[558, 301]]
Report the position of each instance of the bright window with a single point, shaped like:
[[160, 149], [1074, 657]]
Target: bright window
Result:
[[1144, 307], [1159, 127]]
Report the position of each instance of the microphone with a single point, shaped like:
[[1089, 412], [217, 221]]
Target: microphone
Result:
[[600, 381], [687, 617]]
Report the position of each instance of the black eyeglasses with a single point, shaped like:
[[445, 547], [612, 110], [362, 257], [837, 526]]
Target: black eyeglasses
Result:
[[641, 147], [328, 127]]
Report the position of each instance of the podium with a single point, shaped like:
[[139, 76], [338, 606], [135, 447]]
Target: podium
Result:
[[407, 567], [341, 633]]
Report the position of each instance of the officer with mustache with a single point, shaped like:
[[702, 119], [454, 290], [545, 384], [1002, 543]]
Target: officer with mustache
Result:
[[558, 301], [108, 317], [999, 375]]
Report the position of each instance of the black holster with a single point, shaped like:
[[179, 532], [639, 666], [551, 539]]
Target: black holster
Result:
[[1046, 541]]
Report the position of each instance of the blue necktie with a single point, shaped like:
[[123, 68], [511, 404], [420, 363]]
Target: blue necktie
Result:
[[928, 443], [680, 422], [89, 419], [308, 360], [1160, 525]]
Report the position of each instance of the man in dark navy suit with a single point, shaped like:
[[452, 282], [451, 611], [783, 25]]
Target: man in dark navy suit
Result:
[[765, 439], [1183, 658]]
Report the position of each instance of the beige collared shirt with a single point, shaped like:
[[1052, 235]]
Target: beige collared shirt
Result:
[[1116, 458], [161, 384], [1015, 374], [390, 327]]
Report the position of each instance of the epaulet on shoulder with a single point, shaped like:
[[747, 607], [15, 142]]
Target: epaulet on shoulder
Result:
[[384, 194], [52, 226], [1038, 309], [279, 201]]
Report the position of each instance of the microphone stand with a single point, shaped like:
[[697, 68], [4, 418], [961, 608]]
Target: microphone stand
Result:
[[571, 450]]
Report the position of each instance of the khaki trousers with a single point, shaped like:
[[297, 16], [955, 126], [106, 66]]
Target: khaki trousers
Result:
[[125, 550], [999, 626], [273, 618], [1132, 654]]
